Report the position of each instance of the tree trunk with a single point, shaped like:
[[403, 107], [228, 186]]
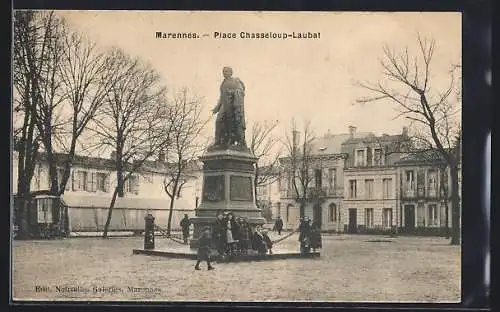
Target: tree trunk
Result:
[[171, 210], [119, 171], [455, 207], [54, 182], [302, 208], [110, 213]]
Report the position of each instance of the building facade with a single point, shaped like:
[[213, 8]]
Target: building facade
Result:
[[425, 186], [325, 193], [371, 198], [91, 185]]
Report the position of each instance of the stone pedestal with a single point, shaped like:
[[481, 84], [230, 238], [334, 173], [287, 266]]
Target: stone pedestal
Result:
[[228, 185]]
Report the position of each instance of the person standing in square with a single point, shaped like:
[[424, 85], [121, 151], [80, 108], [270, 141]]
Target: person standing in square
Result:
[[204, 249]]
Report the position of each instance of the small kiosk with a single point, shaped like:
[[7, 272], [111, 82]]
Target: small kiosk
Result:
[[47, 216]]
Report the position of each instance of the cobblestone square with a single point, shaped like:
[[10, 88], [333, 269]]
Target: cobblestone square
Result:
[[351, 268]]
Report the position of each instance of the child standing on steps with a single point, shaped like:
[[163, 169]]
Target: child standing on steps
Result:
[[204, 249]]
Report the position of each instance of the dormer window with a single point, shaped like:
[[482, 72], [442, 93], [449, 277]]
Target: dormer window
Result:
[[360, 158], [378, 157]]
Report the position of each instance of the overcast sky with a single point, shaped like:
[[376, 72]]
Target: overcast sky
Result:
[[306, 79]]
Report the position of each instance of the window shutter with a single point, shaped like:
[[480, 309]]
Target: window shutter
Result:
[[325, 175], [135, 184], [89, 181], [94, 181], [106, 183], [68, 182], [73, 184]]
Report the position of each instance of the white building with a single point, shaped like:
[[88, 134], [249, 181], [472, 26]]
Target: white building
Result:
[[90, 189], [371, 198]]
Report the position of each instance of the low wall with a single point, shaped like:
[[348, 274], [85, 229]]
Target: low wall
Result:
[[419, 231], [85, 219]]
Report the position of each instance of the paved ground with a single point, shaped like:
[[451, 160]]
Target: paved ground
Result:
[[351, 268]]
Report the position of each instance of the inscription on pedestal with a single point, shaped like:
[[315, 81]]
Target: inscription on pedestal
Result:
[[241, 188], [213, 188]]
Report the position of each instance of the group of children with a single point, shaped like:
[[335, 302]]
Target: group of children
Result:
[[232, 236], [310, 235]]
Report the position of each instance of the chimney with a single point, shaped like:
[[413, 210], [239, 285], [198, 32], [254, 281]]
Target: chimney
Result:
[[328, 134], [113, 155], [352, 131], [296, 138], [161, 156], [405, 131]]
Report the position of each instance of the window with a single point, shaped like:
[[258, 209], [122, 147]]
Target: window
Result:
[[352, 189], [432, 182], [101, 182], [369, 217], [332, 178], [132, 185], [333, 212], [148, 178], [378, 159], [387, 218], [369, 188], [360, 157], [387, 185], [317, 178], [420, 215], [433, 215], [80, 181], [288, 212], [44, 210], [410, 184]]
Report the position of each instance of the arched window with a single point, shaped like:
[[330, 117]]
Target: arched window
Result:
[[333, 212], [288, 212]]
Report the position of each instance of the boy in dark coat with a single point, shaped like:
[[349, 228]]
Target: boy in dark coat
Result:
[[245, 235], [204, 249]]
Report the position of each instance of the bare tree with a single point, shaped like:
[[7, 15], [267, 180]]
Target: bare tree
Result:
[[263, 145], [299, 161], [407, 84], [183, 149], [132, 120], [73, 80], [28, 54]]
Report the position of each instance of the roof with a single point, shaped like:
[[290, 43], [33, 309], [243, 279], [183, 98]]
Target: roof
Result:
[[88, 201], [332, 143], [108, 163], [385, 138], [421, 157]]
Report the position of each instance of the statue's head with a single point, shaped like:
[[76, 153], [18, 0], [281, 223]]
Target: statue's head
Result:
[[227, 71]]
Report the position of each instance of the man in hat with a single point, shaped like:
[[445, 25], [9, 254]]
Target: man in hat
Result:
[[278, 225], [185, 224], [204, 249]]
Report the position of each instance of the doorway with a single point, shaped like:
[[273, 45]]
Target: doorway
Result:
[[317, 215], [353, 220], [409, 218]]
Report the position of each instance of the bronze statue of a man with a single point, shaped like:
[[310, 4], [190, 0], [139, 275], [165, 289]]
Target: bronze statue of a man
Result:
[[230, 123]]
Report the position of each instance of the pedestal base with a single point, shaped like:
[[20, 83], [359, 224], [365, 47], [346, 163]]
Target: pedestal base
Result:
[[228, 185]]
